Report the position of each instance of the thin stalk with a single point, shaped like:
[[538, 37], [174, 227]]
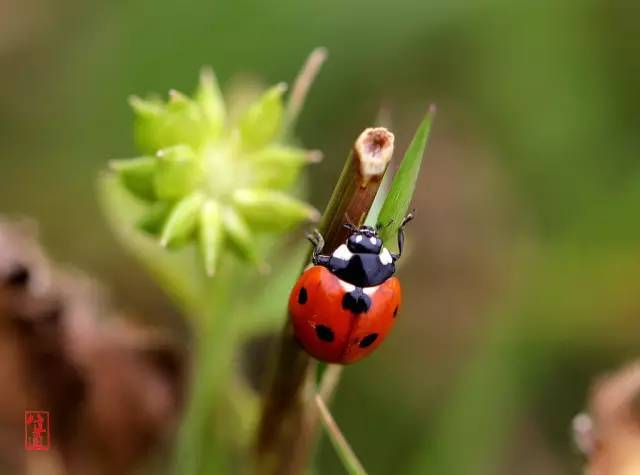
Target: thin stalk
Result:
[[329, 380], [349, 459], [190, 449], [357, 185], [301, 88], [283, 442]]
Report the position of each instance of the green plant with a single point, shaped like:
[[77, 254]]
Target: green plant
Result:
[[212, 179], [222, 180]]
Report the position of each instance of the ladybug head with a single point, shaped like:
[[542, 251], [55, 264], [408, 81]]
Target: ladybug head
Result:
[[363, 239]]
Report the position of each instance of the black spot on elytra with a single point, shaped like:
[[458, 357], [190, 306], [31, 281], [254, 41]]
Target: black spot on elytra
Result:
[[356, 301], [368, 340], [324, 333], [395, 311], [302, 296]]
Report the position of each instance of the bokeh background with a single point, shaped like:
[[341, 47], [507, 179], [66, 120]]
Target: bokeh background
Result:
[[522, 284]]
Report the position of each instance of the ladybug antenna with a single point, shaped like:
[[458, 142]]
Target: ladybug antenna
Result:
[[409, 217], [349, 224]]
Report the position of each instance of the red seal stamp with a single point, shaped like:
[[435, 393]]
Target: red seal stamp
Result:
[[37, 430]]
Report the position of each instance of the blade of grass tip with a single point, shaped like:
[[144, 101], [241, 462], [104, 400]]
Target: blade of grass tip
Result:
[[346, 454], [301, 87], [378, 202], [403, 186]]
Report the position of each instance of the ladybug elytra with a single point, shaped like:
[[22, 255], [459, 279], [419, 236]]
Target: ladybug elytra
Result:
[[344, 305]]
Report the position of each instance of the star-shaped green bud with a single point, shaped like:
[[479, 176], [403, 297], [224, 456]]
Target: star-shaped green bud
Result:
[[211, 180]]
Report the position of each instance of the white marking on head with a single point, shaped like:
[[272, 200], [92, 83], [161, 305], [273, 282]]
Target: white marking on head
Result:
[[370, 290], [342, 253], [347, 286], [373, 240], [359, 238], [385, 256]]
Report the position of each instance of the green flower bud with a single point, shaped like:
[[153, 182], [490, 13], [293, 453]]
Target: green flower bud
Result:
[[211, 180], [239, 234], [272, 210], [262, 122], [183, 220], [177, 172], [136, 174], [211, 234]]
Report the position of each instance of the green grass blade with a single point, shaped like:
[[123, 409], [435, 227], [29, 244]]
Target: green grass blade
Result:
[[381, 196], [397, 202], [348, 457]]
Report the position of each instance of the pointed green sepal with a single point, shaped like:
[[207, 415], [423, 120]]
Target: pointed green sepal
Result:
[[211, 235], [182, 221], [278, 166], [272, 210], [239, 234], [262, 122], [177, 172], [136, 174], [147, 108], [211, 102], [155, 217], [159, 125]]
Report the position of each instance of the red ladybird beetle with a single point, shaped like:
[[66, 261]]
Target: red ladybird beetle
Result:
[[344, 305]]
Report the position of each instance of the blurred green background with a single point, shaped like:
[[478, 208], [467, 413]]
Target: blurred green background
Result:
[[522, 283]]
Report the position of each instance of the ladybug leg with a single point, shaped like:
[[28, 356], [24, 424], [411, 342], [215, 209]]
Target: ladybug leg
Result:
[[317, 240], [318, 244], [407, 218], [380, 226]]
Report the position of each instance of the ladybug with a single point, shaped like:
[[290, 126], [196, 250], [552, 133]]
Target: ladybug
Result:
[[344, 305]]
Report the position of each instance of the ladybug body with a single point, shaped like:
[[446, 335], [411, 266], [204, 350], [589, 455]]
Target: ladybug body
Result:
[[344, 305]]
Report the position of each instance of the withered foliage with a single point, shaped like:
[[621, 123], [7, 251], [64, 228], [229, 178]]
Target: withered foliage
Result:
[[113, 388]]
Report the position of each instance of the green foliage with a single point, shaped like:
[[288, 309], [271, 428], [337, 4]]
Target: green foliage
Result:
[[211, 234], [221, 184], [182, 222], [398, 198], [261, 123], [176, 172]]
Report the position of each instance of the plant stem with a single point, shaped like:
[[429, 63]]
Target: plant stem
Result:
[[199, 448], [284, 436], [301, 87], [345, 452], [328, 383]]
